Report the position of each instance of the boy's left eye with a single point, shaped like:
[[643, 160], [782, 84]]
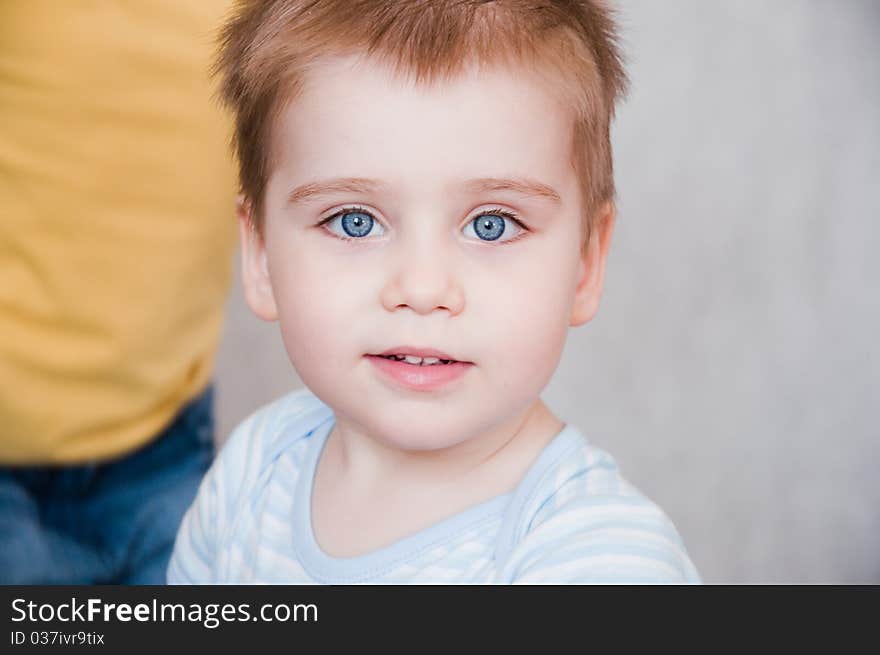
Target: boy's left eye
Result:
[[493, 224]]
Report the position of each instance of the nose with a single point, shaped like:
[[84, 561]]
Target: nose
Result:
[[423, 278]]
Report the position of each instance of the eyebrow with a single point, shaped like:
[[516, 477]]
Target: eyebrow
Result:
[[523, 186], [315, 190]]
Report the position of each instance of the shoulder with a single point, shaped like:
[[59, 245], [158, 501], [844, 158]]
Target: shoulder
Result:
[[258, 441], [583, 522], [236, 478]]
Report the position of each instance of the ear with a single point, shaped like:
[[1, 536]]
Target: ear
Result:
[[254, 266], [591, 272]]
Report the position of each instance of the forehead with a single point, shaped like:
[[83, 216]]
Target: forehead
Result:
[[355, 118]]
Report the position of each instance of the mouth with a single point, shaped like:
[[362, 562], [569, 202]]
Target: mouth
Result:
[[419, 369], [419, 356]]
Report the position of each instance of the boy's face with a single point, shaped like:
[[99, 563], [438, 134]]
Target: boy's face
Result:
[[418, 269]]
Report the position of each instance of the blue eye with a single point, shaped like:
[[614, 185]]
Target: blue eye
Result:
[[354, 222], [357, 224], [491, 225]]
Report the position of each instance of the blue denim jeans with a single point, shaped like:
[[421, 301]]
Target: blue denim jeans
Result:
[[106, 523]]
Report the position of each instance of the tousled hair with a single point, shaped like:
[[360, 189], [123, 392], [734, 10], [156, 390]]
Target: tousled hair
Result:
[[267, 48]]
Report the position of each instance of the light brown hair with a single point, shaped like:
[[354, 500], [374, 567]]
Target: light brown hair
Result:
[[268, 46]]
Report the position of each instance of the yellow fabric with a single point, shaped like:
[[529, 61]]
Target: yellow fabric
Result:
[[116, 222]]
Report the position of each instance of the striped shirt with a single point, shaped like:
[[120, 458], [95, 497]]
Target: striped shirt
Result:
[[571, 519]]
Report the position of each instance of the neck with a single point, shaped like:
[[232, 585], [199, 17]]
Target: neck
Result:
[[498, 456]]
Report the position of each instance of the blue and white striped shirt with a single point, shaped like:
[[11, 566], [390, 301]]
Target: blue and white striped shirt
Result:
[[572, 519]]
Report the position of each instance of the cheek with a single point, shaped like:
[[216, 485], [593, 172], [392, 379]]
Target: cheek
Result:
[[314, 312], [526, 323]]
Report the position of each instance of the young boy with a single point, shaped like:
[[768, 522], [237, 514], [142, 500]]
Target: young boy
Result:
[[427, 207]]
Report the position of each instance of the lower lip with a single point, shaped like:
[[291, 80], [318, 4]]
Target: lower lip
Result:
[[420, 378]]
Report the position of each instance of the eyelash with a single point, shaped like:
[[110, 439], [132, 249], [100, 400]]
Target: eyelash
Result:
[[497, 211]]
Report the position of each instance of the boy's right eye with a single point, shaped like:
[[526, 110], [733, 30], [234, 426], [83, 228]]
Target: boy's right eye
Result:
[[352, 224]]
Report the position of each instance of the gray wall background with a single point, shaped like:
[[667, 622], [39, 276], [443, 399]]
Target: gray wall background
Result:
[[733, 368]]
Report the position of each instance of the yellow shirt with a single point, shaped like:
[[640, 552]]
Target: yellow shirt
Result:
[[116, 222]]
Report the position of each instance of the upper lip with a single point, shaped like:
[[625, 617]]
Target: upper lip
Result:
[[418, 352]]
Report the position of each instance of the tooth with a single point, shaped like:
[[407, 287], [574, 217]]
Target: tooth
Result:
[[410, 359], [430, 360]]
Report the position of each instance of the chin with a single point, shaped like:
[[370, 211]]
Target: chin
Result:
[[421, 438]]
